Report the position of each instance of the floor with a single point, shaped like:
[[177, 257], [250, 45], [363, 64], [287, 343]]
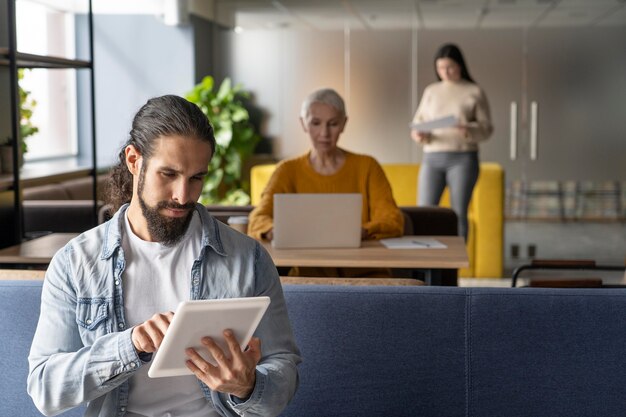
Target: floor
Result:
[[603, 242]]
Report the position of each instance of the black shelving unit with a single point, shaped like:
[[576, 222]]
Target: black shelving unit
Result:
[[11, 60]]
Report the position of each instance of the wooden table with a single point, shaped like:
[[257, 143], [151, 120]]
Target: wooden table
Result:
[[35, 252], [21, 274], [372, 254]]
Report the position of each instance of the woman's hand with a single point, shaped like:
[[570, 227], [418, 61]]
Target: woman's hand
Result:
[[464, 130], [269, 235], [421, 137]]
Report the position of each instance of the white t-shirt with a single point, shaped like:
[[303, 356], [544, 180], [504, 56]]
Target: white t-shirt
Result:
[[155, 280]]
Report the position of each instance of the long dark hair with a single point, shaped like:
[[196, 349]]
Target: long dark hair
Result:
[[450, 50], [161, 116]]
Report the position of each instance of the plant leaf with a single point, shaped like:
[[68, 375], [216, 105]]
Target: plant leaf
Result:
[[235, 140]]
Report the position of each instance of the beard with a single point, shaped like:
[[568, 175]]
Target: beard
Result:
[[163, 229]]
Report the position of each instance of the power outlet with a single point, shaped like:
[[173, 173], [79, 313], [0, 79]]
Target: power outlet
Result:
[[515, 251], [531, 250]]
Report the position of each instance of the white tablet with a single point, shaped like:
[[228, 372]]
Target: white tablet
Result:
[[196, 319]]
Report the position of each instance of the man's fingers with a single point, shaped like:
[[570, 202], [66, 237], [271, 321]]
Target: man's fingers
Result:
[[141, 340], [155, 334], [159, 326], [218, 354], [255, 344], [147, 337], [233, 371], [162, 321], [254, 349], [233, 344], [198, 362]]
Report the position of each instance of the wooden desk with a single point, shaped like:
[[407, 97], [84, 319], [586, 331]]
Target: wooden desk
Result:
[[372, 254], [35, 252], [21, 274]]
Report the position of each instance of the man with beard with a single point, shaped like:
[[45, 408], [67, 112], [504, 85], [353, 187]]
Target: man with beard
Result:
[[108, 295]]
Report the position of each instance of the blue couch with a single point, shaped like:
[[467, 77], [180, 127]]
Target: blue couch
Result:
[[417, 351]]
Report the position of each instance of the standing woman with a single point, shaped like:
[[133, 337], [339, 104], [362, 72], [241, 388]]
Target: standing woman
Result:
[[451, 154]]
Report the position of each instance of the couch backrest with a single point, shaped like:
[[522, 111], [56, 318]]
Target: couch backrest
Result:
[[554, 352], [428, 351], [59, 216], [378, 352], [19, 313], [409, 351], [72, 189]]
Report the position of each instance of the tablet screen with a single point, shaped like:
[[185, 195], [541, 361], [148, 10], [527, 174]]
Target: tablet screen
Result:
[[196, 319]]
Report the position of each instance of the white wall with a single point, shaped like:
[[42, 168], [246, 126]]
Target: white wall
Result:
[[136, 58], [281, 67], [382, 74]]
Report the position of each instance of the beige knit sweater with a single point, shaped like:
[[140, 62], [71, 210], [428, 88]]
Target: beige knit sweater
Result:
[[464, 100]]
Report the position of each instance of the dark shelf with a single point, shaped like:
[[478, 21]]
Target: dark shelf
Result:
[[47, 172], [41, 61], [32, 174]]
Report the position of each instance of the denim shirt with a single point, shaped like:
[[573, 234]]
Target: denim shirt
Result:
[[82, 350]]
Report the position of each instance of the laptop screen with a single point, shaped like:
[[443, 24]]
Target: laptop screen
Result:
[[317, 220]]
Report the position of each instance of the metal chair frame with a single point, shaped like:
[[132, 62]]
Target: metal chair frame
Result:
[[559, 264]]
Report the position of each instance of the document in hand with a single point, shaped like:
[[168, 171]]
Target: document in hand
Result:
[[412, 242], [447, 121]]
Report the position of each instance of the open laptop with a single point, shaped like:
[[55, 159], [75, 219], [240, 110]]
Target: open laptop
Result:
[[317, 220]]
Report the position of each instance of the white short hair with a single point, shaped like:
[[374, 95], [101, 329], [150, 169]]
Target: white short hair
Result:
[[326, 96]]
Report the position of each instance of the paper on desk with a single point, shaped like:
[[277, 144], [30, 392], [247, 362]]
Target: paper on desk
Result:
[[412, 242], [447, 121]]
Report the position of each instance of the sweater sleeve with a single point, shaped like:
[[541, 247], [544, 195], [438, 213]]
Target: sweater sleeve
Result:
[[261, 219], [386, 219], [480, 129], [421, 108]]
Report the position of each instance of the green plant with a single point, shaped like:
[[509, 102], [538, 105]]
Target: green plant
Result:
[[235, 140], [26, 106]]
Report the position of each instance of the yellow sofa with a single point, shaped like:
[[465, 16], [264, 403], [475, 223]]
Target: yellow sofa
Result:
[[486, 211]]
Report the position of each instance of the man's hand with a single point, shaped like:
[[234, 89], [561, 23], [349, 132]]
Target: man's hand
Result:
[[235, 370], [147, 336]]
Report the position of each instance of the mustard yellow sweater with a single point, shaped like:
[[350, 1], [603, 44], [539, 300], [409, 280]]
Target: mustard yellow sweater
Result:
[[380, 216]]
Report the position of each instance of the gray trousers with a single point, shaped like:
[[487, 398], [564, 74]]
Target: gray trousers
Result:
[[457, 170]]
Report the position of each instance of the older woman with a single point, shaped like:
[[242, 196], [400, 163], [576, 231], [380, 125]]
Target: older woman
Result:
[[326, 168]]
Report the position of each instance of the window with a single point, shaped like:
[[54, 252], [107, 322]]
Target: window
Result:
[[53, 90]]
